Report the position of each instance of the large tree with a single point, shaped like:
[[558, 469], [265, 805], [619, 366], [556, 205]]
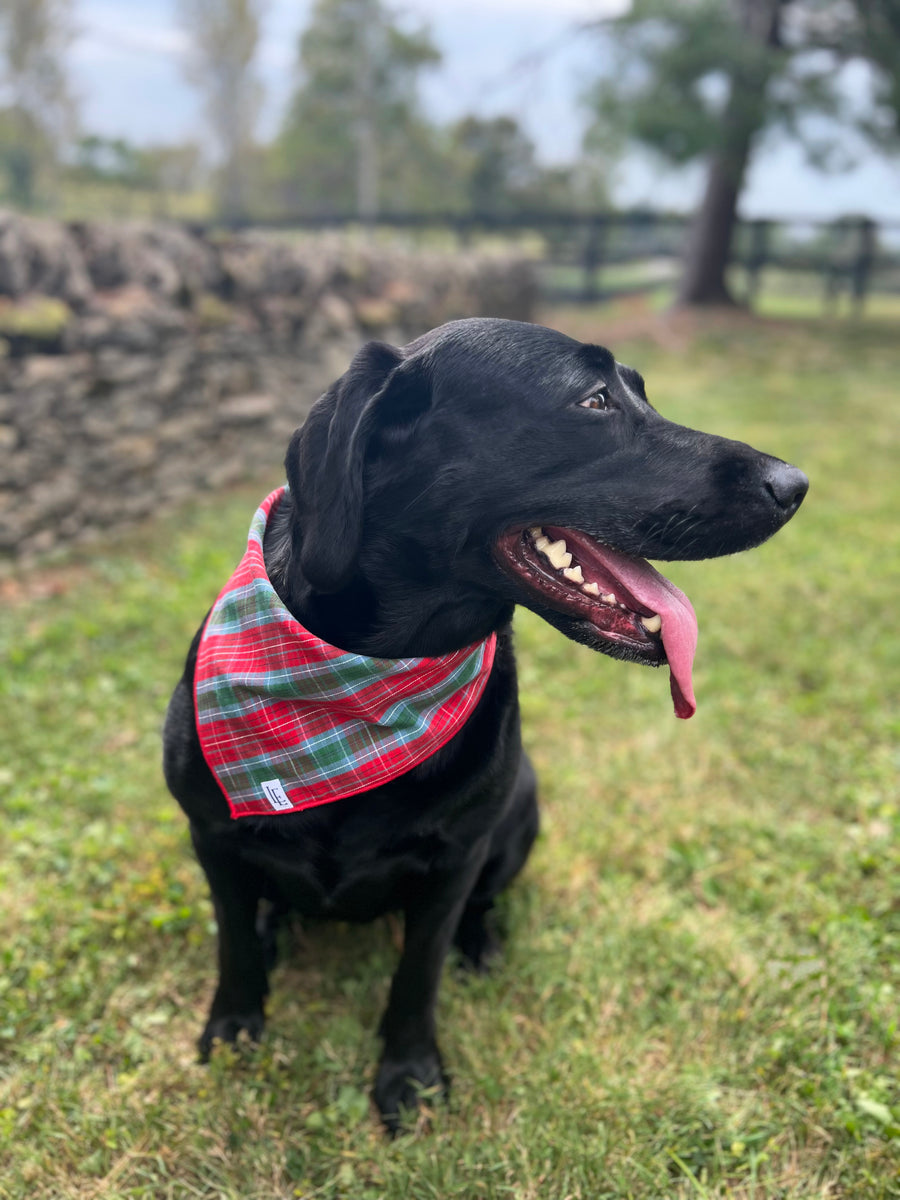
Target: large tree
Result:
[[36, 109], [224, 35], [707, 79], [354, 128], [877, 38]]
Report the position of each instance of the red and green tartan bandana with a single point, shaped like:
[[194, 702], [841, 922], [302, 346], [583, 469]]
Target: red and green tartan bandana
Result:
[[287, 722]]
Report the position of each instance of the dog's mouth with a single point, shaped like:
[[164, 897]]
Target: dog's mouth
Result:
[[622, 604]]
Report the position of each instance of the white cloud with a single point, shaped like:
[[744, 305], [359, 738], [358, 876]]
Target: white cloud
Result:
[[106, 28]]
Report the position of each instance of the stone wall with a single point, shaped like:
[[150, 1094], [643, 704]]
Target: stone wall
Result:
[[140, 364]]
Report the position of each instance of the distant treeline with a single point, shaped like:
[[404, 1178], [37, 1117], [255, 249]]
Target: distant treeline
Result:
[[692, 80]]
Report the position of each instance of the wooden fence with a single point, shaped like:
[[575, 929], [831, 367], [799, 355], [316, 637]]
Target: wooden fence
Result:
[[600, 256]]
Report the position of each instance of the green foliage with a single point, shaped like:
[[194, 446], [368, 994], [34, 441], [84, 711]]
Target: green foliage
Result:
[[680, 69], [672, 71], [114, 159], [496, 159], [118, 162], [26, 154], [223, 39], [700, 984], [117, 178], [356, 110], [37, 117], [879, 42]]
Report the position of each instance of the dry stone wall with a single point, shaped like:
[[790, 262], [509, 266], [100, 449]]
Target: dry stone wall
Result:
[[141, 364]]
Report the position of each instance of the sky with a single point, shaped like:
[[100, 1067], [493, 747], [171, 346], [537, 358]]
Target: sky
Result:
[[522, 57]]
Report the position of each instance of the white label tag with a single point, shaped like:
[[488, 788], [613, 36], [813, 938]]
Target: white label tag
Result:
[[276, 795]]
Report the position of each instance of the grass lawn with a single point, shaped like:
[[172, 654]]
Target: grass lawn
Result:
[[700, 991], [782, 294]]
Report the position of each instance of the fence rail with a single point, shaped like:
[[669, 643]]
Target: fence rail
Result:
[[595, 256]]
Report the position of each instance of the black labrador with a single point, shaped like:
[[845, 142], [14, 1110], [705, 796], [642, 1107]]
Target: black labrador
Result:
[[431, 489]]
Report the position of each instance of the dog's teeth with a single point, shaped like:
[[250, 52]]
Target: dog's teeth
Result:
[[608, 597], [536, 531], [574, 573], [556, 553], [542, 542], [652, 624], [592, 589]]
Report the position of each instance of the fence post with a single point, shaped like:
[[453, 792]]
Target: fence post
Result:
[[463, 228], [861, 269], [757, 256], [591, 257], [836, 267]]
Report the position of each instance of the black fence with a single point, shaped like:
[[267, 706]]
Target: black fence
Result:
[[594, 257]]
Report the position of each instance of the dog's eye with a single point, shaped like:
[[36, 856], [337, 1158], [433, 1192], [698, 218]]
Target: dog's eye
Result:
[[599, 398]]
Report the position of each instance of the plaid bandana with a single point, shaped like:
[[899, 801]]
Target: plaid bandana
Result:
[[287, 722]]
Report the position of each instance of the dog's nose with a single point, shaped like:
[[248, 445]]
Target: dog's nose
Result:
[[787, 486]]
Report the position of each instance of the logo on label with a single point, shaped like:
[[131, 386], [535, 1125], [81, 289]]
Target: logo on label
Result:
[[276, 795]]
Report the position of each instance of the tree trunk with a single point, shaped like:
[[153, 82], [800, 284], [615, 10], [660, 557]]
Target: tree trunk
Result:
[[366, 134], [709, 246], [703, 278]]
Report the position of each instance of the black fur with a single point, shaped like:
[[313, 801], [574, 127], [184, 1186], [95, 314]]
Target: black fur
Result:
[[401, 480]]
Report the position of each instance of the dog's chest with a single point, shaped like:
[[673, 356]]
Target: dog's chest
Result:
[[370, 854], [359, 877]]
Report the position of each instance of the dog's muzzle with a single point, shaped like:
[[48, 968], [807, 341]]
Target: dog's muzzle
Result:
[[633, 611]]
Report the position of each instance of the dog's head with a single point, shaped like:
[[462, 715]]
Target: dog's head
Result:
[[493, 462]]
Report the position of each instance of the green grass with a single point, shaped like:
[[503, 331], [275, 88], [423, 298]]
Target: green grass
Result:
[[791, 294], [89, 201], [700, 991]]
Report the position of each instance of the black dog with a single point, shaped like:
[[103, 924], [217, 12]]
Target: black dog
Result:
[[489, 463]]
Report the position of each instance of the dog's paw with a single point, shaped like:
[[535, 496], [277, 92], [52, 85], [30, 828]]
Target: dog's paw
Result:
[[228, 1029], [403, 1086]]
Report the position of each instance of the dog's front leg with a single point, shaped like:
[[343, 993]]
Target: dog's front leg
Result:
[[243, 983], [411, 1060]]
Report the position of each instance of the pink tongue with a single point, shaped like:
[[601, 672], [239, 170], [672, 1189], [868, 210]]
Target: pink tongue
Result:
[[679, 623]]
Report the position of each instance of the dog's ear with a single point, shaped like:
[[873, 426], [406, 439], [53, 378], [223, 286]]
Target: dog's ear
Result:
[[377, 400]]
